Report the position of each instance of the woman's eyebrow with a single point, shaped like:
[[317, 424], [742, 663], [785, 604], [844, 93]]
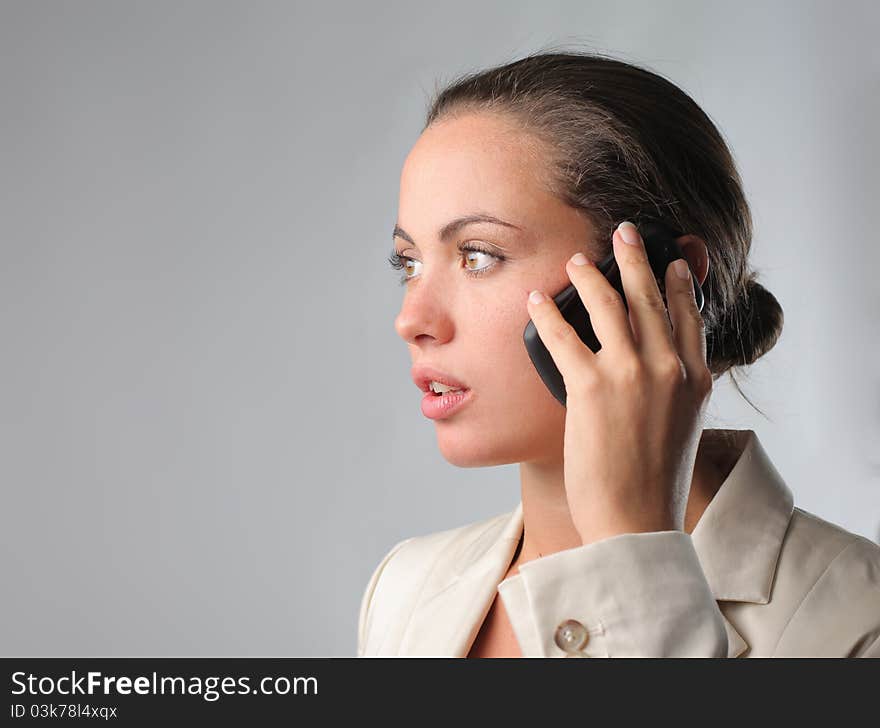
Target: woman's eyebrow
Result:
[[452, 227]]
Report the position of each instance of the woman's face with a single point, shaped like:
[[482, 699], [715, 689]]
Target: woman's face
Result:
[[464, 312]]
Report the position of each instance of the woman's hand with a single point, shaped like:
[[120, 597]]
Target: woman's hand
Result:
[[634, 410]]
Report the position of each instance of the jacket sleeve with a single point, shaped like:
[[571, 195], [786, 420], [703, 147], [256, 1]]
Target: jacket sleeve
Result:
[[839, 615], [367, 598], [632, 595]]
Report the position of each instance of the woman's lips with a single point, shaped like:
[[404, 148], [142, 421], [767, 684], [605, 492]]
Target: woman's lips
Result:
[[441, 406]]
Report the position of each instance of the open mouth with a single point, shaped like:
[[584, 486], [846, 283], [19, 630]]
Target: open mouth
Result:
[[438, 389]]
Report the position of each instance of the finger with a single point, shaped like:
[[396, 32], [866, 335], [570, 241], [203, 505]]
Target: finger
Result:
[[689, 330], [607, 312], [650, 321], [569, 353]]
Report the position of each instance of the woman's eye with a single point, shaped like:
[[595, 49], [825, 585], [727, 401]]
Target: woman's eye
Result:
[[470, 254]]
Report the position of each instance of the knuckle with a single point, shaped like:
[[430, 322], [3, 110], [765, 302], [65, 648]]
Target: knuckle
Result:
[[637, 256], [652, 300], [631, 372], [671, 369], [608, 299], [562, 331]]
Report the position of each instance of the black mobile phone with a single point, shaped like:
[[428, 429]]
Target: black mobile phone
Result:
[[662, 250]]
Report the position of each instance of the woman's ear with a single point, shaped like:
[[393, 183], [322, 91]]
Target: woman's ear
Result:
[[693, 247]]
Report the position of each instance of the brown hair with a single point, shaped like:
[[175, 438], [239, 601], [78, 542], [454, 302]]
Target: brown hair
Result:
[[625, 143]]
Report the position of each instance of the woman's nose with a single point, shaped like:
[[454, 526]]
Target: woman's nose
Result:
[[421, 314]]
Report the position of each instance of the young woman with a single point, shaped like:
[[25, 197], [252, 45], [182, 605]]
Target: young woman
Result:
[[638, 532]]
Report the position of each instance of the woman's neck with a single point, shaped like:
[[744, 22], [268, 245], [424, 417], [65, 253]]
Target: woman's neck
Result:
[[547, 524]]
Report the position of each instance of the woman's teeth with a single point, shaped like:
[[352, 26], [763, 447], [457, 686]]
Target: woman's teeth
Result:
[[438, 388]]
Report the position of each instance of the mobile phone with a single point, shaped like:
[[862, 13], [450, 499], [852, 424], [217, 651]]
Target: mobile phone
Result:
[[661, 248]]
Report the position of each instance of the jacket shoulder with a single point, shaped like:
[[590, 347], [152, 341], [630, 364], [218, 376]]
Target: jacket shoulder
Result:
[[835, 609], [397, 580], [812, 536]]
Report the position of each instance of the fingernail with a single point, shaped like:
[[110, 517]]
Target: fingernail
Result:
[[681, 268], [629, 232], [579, 259], [537, 297]]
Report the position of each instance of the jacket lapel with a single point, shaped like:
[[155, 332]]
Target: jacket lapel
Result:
[[460, 591], [737, 540], [739, 536]]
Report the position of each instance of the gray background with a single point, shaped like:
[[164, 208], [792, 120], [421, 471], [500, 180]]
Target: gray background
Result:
[[209, 435]]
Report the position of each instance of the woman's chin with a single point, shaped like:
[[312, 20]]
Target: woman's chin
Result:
[[476, 452], [485, 447]]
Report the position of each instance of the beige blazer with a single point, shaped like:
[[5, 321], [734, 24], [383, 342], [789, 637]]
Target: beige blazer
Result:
[[758, 577]]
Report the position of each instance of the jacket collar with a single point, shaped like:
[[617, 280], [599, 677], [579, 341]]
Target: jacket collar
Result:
[[737, 539], [739, 536]]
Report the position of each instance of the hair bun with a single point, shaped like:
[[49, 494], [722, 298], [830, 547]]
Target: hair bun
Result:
[[755, 328]]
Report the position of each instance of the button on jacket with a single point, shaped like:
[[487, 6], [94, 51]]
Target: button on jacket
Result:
[[758, 577]]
